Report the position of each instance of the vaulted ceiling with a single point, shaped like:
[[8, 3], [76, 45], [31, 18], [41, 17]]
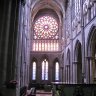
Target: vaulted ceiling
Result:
[[56, 5]]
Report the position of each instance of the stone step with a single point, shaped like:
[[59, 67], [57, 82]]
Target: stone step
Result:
[[43, 93]]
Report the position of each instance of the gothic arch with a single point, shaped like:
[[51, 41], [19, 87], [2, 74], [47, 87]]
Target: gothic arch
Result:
[[78, 62], [31, 68], [45, 70], [54, 8], [76, 52], [45, 4], [41, 35], [54, 69], [91, 55], [44, 57], [56, 59], [90, 38], [34, 59]]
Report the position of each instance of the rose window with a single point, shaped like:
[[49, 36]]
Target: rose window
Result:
[[46, 27]]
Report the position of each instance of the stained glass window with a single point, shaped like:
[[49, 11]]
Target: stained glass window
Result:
[[45, 35], [45, 45], [34, 71], [45, 70], [57, 71], [46, 27]]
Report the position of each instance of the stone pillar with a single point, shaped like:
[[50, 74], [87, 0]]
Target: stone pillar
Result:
[[83, 39], [62, 73], [39, 72], [51, 75], [75, 71], [88, 73], [67, 73]]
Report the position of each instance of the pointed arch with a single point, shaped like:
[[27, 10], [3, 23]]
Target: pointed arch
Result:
[[78, 62], [45, 67], [46, 40], [34, 68], [34, 59], [76, 52], [56, 69], [44, 4], [90, 38], [45, 56], [91, 55]]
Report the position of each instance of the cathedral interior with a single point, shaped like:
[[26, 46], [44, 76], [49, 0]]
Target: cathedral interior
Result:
[[46, 41]]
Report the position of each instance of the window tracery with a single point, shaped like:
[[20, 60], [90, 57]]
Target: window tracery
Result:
[[34, 71], [45, 36], [45, 70], [46, 27], [57, 71]]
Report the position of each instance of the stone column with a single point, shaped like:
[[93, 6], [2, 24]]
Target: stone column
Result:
[[83, 40], [75, 71], [62, 73], [67, 73], [88, 68]]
